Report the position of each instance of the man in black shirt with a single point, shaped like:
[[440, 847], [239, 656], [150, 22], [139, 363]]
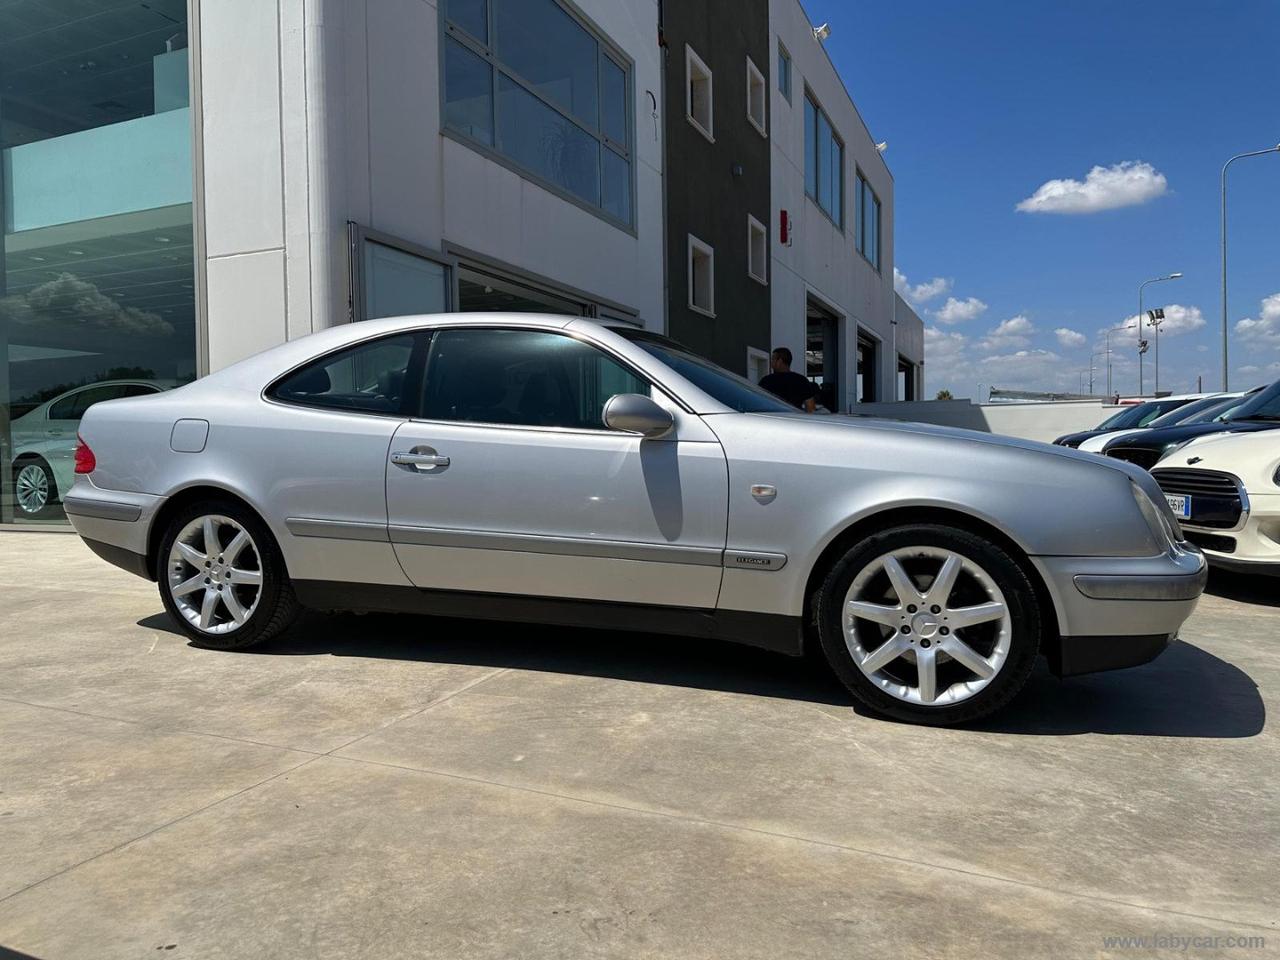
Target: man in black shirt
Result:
[[787, 385]]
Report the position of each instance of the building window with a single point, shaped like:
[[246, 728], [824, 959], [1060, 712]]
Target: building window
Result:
[[757, 250], [823, 162], [534, 85], [697, 94], [393, 278], [702, 277], [906, 379], [868, 227], [756, 87], [868, 357], [784, 72], [97, 266]]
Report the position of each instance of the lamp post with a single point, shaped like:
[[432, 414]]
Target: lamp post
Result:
[[1238, 156], [1092, 357], [1141, 286]]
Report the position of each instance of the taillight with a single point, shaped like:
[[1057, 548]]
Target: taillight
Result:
[[86, 462]]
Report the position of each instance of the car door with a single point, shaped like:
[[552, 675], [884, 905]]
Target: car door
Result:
[[509, 482], [317, 453]]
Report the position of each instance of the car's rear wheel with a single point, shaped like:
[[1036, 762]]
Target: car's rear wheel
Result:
[[222, 577], [34, 489], [929, 624]]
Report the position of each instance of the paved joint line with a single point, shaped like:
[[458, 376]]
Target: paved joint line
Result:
[[469, 685], [160, 728], [815, 841], [164, 826]]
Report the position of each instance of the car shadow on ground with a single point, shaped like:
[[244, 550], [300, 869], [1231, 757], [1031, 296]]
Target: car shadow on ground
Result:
[[1244, 587], [1186, 692]]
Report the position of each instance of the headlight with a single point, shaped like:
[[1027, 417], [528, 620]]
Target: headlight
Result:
[[1164, 525], [1275, 477]]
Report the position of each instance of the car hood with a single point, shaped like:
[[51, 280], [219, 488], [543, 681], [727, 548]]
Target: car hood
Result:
[[1079, 436], [1253, 457], [1163, 436], [842, 424]]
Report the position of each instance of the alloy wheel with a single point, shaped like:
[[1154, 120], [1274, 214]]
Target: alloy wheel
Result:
[[31, 487], [927, 625], [215, 574]]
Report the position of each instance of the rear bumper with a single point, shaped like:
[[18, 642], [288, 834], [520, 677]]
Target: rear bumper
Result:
[[114, 524]]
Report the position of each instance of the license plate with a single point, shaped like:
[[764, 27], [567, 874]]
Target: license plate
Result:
[[1180, 505]]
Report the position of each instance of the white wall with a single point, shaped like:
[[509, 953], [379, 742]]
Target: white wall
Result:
[[823, 260], [316, 112], [1030, 421]]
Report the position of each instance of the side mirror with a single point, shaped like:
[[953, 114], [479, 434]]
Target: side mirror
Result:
[[633, 413]]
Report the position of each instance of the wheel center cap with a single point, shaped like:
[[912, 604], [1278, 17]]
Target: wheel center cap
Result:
[[925, 624]]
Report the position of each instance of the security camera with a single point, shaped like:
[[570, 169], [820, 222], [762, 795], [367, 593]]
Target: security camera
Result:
[[822, 32]]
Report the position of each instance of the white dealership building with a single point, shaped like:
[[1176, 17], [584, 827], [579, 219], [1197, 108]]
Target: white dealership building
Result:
[[188, 182]]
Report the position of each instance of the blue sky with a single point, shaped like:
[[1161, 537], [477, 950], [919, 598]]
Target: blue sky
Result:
[[984, 101]]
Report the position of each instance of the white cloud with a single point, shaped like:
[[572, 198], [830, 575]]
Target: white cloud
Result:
[[1008, 335], [1103, 188], [1178, 319], [921, 292], [1070, 338], [1265, 328], [957, 311]]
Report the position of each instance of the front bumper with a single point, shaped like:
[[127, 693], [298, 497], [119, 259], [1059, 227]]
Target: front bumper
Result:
[[1116, 612], [1253, 546]]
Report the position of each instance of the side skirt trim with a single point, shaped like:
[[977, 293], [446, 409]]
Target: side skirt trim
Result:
[[776, 632]]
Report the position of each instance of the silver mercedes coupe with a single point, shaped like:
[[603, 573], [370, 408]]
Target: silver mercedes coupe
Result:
[[557, 470]]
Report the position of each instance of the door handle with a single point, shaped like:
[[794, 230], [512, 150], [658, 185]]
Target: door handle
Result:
[[419, 460]]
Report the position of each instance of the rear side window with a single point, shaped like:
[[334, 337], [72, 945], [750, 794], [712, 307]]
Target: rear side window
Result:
[[72, 407], [367, 378], [522, 377]]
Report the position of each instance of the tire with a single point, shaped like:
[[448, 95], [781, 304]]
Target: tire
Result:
[[908, 655], [34, 489], [230, 598]]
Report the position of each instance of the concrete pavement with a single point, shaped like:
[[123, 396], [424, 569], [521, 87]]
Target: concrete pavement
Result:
[[398, 786]]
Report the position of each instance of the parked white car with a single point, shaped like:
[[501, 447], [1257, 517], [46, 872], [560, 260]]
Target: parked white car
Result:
[[44, 441], [1225, 489]]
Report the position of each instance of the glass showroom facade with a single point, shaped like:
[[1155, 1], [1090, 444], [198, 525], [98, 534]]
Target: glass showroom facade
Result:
[[96, 262]]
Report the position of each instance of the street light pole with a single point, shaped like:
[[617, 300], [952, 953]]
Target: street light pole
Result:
[[1141, 286], [1238, 156]]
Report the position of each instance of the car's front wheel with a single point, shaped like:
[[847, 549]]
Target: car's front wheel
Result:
[[222, 577], [929, 624]]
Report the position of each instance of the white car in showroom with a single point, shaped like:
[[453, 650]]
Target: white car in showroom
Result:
[[44, 441], [1225, 490]]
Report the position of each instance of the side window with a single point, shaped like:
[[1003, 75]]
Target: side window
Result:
[[524, 377], [366, 378], [74, 406], [139, 390]]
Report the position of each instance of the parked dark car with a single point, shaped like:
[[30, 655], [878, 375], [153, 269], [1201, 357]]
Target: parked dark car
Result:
[[1260, 412], [1137, 415]]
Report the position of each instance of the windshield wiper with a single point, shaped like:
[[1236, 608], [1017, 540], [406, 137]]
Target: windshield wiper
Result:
[[1269, 417]]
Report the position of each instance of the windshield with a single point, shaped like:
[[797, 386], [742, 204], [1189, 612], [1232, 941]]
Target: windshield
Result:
[[1191, 412], [1261, 406], [1140, 414], [733, 391]]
